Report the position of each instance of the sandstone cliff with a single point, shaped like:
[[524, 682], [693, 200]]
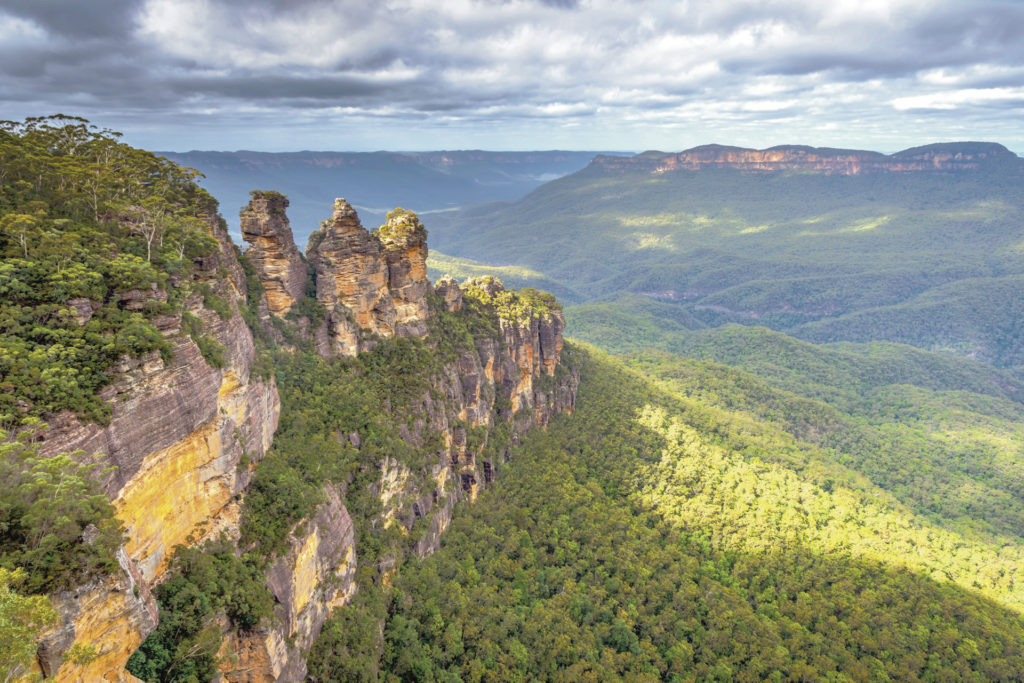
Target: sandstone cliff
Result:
[[273, 253], [183, 436], [472, 411], [186, 435], [484, 400], [943, 157], [315, 575], [372, 286]]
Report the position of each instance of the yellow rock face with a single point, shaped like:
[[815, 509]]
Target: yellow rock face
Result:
[[306, 574], [110, 616], [102, 622], [180, 487], [165, 500]]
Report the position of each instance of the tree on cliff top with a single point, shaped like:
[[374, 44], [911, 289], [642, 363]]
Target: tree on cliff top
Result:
[[84, 221]]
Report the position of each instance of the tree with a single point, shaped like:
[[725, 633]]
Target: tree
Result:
[[23, 618]]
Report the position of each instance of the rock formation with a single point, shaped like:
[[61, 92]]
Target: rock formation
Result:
[[448, 289], [180, 434], [372, 286], [314, 576], [185, 436], [944, 157], [404, 240], [495, 380], [273, 252]]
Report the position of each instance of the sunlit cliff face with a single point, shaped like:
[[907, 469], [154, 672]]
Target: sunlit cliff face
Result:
[[939, 157]]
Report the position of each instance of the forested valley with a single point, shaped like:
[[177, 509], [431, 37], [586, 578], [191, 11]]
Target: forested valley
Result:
[[718, 502]]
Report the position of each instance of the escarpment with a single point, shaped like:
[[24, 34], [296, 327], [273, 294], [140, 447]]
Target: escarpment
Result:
[[941, 157], [492, 372], [189, 428], [182, 438]]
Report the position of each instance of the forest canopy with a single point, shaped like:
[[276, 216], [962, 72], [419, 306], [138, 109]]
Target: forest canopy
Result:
[[93, 233]]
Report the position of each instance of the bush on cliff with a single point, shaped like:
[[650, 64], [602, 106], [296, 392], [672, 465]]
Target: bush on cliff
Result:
[[55, 521], [203, 583]]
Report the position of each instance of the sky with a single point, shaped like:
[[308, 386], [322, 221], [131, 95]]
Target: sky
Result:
[[359, 75]]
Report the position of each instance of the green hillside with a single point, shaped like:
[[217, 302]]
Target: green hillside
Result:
[[832, 499], [704, 525], [928, 259]]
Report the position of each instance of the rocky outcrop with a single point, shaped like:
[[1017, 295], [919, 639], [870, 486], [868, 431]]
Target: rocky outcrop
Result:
[[314, 576], [114, 615], [183, 438], [185, 435], [371, 288], [273, 253], [943, 157], [481, 404], [404, 240], [448, 289]]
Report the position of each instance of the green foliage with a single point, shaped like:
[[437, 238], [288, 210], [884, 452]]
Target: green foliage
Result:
[[22, 620], [927, 259], [212, 350], [510, 304], [253, 295], [350, 646], [944, 451], [323, 402], [55, 521], [308, 307], [279, 200], [401, 228], [215, 302], [203, 583], [84, 219], [649, 537], [80, 654]]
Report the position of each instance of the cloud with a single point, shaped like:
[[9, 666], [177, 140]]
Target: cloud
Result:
[[999, 97], [623, 70]]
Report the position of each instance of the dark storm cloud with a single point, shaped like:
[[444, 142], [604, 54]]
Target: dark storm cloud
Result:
[[661, 65], [78, 19], [995, 28]]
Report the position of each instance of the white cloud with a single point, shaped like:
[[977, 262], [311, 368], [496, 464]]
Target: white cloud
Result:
[[953, 99], [637, 69], [15, 32]]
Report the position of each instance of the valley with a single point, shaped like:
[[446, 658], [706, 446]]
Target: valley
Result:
[[723, 414], [926, 255]]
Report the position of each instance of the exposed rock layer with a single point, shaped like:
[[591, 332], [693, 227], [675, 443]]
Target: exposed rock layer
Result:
[[944, 157], [498, 380], [273, 252], [185, 436], [314, 576], [177, 436], [371, 289]]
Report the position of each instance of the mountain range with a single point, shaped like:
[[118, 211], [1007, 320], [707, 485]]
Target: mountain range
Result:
[[375, 182], [791, 452], [921, 247]]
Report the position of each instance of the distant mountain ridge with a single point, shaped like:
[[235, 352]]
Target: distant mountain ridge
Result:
[[375, 182], [920, 247], [943, 156]]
